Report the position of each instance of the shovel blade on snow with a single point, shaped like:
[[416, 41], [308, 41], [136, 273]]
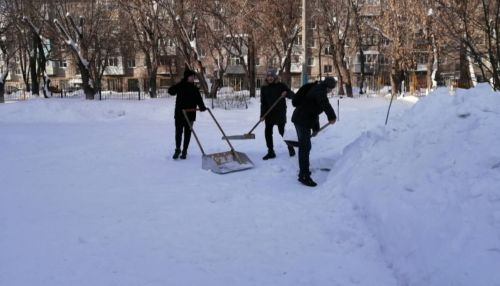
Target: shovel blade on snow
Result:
[[239, 137], [226, 162]]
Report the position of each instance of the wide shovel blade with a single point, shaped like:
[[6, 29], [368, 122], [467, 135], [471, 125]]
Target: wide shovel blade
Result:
[[226, 162], [240, 137]]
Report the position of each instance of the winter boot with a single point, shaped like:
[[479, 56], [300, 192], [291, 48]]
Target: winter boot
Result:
[[270, 155], [176, 154], [184, 155], [291, 151], [306, 180]]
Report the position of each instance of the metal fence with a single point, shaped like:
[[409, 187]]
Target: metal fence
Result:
[[232, 100], [17, 96], [112, 95], [226, 98]]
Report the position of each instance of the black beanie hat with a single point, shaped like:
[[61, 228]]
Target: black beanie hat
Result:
[[188, 73], [330, 82]]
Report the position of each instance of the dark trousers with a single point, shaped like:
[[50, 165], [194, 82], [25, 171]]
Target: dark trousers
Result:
[[304, 136], [181, 126], [269, 133]]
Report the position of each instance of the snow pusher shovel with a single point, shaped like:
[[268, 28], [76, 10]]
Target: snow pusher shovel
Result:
[[250, 135], [222, 162], [296, 143]]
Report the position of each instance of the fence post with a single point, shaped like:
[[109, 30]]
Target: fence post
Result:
[[139, 92], [100, 94], [338, 109]]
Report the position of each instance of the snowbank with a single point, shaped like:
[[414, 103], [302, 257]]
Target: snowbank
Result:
[[428, 186]]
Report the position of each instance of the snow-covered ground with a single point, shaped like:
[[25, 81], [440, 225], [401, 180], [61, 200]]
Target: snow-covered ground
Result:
[[89, 195]]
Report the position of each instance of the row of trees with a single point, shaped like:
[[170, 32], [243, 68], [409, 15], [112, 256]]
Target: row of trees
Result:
[[33, 32]]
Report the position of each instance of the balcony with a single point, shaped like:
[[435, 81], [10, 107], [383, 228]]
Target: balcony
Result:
[[115, 66], [50, 68], [114, 70], [296, 68], [165, 70], [370, 68]]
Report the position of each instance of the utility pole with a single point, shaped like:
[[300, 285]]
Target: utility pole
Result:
[[304, 43]]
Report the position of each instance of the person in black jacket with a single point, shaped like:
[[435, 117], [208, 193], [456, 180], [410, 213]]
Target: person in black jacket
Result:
[[188, 97], [269, 94], [306, 118]]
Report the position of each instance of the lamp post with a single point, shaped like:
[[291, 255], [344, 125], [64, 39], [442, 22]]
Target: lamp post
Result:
[[304, 44]]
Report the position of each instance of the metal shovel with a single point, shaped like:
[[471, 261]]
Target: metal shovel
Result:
[[222, 162], [296, 143], [250, 135]]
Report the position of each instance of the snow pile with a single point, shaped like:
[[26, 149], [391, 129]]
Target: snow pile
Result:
[[428, 187]]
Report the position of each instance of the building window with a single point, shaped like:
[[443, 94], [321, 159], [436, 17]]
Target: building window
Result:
[[328, 68], [310, 61], [63, 64], [312, 24], [131, 63], [235, 61], [328, 51], [219, 26], [113, 62], [311, 43], [257, 61], [164, 61], [298, 40]]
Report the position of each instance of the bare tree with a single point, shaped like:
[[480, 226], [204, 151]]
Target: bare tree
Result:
[[91, 38], [473, 27], [38, 59], [358, 26], [184, 24], [337, 19], [400, 26], [232, 32], [282, 22], [7, 48], [146, 17]]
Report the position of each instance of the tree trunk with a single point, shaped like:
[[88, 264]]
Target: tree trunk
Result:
[[287, 67], [89, 90], [465, 80], [35, 87], [42, 63], [2, 92], [395, 80], [203, 80], [341, 80], [362, 71], [346, 76], [215, 87], [152, 82], [430, 69], [251, 66]]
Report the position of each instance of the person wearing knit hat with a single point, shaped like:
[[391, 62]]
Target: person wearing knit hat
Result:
[[188, 73], [188, 97], [306, 120], [274, 91]]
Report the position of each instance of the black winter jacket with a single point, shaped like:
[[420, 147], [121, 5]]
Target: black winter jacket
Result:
[[188, 97], [268, 95], [315, 103]]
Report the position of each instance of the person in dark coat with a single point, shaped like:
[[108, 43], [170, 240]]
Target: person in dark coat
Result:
[[269, 94], [188, 97], [306, 118]]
